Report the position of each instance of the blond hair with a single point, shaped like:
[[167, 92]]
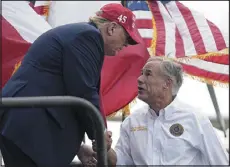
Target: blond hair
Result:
[[98, 20]]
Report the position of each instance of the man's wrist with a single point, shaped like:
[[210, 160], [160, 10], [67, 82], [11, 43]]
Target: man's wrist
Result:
[[80, 151], [112, 157]]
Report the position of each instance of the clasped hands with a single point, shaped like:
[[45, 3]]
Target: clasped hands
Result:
[[88, 155]]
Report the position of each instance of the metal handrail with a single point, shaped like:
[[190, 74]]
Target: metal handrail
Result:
[[65, 101]]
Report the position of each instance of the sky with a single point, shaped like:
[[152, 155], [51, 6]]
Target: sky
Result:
[[215, 11], [193, 92]]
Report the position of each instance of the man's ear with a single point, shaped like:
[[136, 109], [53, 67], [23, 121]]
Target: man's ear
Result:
[[168, 83], [111, 28]]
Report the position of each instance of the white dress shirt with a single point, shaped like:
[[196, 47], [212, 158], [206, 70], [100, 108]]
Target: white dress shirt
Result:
[[145, 138]]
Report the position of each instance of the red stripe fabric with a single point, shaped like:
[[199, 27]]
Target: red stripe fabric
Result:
[[119, 77], [13, 49], [39, 10], [193, 29], [196, 36], [218, 37], [180, 52], [160, 28], [194, 71], [223, 59], [144, 23]]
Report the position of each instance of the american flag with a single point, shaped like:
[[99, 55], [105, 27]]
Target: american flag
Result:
[[41, 8], [171, 29]]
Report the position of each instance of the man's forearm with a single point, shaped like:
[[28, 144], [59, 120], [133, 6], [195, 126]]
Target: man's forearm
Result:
[[112, 158]]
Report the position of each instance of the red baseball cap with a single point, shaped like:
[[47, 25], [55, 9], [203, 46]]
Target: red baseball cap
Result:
[[124, 17]]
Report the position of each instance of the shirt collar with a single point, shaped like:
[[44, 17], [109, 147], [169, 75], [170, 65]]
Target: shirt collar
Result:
[[169, 109], [153, 113], [166, 112]]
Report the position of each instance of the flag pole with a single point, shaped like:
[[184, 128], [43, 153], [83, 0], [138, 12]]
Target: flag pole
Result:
[[216, 106]]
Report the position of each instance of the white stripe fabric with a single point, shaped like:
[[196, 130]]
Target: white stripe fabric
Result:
[[182, 27], [41, 3], [170, 30], [205, 32], [207, 37], [143, 15], [186, 33], [205, 65], [146, 33], [24, 19]]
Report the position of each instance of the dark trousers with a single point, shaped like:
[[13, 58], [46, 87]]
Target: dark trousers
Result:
[[13, 156]]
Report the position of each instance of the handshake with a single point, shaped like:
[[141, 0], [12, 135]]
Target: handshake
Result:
[[108, 140], [88, 155]]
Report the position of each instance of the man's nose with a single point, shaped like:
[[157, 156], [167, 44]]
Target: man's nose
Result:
[[140, 80]]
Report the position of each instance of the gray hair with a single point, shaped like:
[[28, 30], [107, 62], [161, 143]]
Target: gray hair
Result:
[[172, 70]]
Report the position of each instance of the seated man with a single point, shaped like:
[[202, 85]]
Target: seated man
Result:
[[166, 131]]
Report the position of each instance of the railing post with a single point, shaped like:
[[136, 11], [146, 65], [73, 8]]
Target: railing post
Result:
[[65, 101], [1, 159]]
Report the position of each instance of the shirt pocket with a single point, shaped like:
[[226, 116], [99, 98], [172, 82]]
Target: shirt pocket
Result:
[[173, 150], [139, 142]]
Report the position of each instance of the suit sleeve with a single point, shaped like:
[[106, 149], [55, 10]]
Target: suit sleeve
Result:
[[82, 63], [211, 146]]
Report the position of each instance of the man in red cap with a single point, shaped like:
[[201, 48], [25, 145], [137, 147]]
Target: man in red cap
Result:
[[66, 60]]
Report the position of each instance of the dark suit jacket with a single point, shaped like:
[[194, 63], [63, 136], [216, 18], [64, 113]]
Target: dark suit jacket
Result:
[[66, 60]]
